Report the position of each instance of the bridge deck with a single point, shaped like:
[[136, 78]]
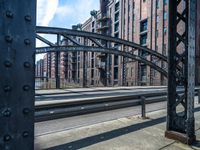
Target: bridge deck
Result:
[[123, 131]]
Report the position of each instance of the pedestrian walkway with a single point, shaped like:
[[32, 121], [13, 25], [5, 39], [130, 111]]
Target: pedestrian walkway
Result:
[[129, 133]]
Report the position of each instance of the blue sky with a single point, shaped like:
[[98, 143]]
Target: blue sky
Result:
[[63, 13]]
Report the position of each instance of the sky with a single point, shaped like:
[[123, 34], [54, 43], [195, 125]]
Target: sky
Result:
[[63, 13]]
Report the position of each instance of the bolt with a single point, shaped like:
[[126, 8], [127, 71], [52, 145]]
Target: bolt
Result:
[[25, 134], [27, 41], [7, 88], [8, 38], [27, 18], [7, 63], [7, 113], [27, 65], [7, 138], [26, 88], [9, 14], [26, 111]]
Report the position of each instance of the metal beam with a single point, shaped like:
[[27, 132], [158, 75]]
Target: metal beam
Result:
[[72, 39], [17, 38], [180, 115], [44, 40], [57, 64], [104, 50], [52, 30]]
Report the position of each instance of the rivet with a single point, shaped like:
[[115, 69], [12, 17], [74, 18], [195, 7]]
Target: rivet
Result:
[[26, 111], [27, 41], [7, 138], [26, 88], [8, 38], [7, 63], [27, 65], [27, 18], [9, 14], [25, 134], [7, 113], [7, 88]]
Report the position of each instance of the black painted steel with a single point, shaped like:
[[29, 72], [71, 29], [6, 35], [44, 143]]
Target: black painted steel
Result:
[[104, 50], [62, 31], [17, 46], [57, 64], [180, 116]]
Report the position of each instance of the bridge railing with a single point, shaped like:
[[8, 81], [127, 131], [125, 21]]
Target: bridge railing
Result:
[[67, 108]]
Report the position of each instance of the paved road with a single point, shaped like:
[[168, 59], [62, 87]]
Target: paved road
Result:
[[125, 133], [87, 93], [52, 126]]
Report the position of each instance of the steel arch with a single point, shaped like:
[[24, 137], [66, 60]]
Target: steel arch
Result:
[[100, 49], [62, 31]]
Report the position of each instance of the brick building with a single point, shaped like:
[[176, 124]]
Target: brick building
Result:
[[39, 68], [141, 21]]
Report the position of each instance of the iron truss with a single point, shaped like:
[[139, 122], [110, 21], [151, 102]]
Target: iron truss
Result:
[[181, 73], [113, 46]]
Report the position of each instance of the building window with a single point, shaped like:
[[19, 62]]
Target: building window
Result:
[[116, 60], [117, 6], [116, 27], [143, 39], [157, 4], [117, 35], [165, 16], [157, 19], [115, 73], [165, 30], [117, 16], [157, 33], [144, 25], [165, 50]]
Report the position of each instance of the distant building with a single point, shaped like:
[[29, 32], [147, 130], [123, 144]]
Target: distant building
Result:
[[141, 21], [39, 68]]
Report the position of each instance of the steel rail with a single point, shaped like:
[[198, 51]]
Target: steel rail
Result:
[[72, 108]]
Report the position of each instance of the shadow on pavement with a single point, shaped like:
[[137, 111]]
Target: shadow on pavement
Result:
[[88, 141]]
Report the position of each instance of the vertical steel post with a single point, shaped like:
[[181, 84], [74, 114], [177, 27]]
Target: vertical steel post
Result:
[[181, 70], [57, 71], [17, 46], [143, 107], [84, 69]]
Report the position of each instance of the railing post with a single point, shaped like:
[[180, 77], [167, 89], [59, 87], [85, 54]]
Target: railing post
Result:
[[17, 48], [143, 107]]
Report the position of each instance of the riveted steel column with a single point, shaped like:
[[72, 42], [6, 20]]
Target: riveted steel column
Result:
[[17, 46], [181, 73], [57, 71]]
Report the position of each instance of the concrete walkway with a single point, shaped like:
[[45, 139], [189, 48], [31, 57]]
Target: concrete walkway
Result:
[[129, 133]]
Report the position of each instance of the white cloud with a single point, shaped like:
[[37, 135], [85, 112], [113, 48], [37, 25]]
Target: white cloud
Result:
[[46, 10], [74, 12], [77, 11]]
